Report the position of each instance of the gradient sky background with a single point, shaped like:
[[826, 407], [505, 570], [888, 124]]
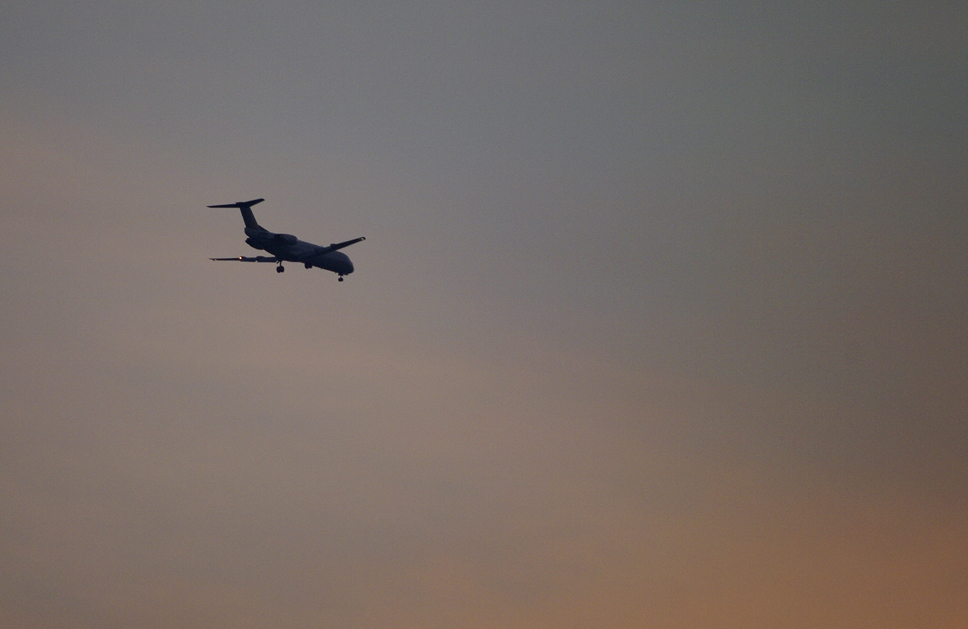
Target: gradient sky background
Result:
[[661, 320]]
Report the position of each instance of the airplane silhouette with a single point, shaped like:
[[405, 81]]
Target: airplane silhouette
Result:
[[288, 248]]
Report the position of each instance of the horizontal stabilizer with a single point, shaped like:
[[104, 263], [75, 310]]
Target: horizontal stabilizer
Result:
[[247, 216], [241, 204]]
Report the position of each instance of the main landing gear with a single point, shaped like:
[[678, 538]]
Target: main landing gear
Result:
[[280, 269], [340, 278]]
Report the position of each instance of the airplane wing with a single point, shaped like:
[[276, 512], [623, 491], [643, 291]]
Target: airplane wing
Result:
[[245, 259], [339, 245]]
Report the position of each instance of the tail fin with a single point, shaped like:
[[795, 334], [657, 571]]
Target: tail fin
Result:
[[246, 208]]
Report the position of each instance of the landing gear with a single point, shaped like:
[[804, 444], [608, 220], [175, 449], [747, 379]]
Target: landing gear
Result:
[[340, 278], [280, 269]]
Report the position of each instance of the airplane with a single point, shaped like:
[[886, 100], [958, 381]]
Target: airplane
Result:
[[286, 247]]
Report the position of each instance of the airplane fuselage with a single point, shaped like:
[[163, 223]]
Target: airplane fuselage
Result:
[[288, 248]]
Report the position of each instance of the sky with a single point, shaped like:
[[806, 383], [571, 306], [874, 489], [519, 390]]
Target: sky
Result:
[[660, 320]]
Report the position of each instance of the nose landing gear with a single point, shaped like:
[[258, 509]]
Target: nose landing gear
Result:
[[340, 279], [280, 269]]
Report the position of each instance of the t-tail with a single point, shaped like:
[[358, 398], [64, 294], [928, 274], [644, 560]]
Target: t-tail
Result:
[[246, 208]]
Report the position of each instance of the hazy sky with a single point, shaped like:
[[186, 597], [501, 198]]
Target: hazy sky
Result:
[[661, 319]]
